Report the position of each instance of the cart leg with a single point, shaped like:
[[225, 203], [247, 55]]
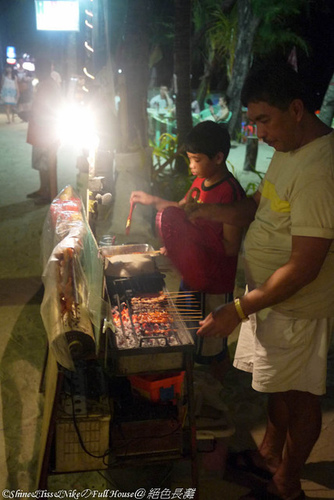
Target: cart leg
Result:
[[41, 385], [53, 382], [192, 423]]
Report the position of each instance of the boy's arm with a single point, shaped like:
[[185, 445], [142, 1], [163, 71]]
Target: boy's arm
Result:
[[149, 199]]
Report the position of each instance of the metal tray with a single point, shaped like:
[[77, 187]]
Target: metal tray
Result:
[[125, 249], [135, 260]]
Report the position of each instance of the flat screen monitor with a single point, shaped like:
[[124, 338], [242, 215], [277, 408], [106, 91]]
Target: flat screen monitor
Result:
[[58, 15]]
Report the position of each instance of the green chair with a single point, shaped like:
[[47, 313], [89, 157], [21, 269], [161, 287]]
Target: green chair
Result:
[[227, 119], [207, 115]]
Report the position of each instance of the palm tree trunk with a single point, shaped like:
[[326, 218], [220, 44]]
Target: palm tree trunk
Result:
[[206, 78], [136, 57], [248, 24], [182, 71]]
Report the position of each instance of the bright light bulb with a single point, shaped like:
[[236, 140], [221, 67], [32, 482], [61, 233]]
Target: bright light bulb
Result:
[[76, 126]]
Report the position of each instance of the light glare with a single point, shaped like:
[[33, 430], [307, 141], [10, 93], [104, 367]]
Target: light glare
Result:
[[77, 127]]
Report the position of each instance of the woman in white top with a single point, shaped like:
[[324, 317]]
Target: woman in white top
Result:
[[9, 92]]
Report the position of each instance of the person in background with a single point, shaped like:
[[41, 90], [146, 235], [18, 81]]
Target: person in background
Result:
[[207, 147], [223, 111], [9, 93], [55, 75], [162, 102], [26, 91], [287, 314], [43, 133], [195, 108]]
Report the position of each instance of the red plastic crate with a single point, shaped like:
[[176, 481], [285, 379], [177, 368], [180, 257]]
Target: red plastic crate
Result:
[[158, 388]]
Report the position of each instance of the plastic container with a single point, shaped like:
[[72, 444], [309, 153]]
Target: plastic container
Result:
[[158, 388], [106, 240]]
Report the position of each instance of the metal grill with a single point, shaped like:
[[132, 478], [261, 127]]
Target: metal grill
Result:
[[148, 321]]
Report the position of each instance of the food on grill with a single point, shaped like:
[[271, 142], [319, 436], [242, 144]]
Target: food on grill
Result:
[[144, 322]]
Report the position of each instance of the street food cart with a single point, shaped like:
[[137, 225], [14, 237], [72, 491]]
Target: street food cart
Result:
[[118, 377]]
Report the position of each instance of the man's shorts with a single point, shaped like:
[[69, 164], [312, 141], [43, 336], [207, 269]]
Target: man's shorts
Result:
[[43, 157], [40, 158], [284, 353]]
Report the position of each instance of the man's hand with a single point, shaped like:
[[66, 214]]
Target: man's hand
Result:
[[203, 210], [212, 111], [220, 323], [240, 213]]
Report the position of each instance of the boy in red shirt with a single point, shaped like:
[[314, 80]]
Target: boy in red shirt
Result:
[[206, 252]]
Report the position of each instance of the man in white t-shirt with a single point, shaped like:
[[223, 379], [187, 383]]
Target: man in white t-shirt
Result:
[[162, 102], [287, 314]]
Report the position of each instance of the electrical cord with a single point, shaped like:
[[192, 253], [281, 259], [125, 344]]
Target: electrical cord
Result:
[[81, 442], [127, 442]]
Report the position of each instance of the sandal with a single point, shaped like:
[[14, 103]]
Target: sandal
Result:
[[35, 194], [243, 462], [42, 201]]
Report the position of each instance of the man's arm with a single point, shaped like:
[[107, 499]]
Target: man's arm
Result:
[[232, 239], [169, 100], [240, 213], [306, 259]]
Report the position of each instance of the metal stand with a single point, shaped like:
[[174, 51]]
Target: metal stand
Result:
[[52, 382]]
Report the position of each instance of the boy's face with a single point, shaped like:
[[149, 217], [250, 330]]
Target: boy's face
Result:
[[202, 166]]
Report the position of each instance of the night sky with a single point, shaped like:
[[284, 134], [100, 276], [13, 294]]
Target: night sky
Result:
[[318, 30], [18, 28]]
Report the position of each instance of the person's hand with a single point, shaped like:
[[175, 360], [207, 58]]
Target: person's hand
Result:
[[196, 210], [192, 201], [190, 207], [141, 197], [219, 323], [163, 251]]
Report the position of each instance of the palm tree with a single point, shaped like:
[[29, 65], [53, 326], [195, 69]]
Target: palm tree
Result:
[[327, 107], [136, 57], [182, 72], [264, 28], [248, 24], [214, 41], [238, 30]]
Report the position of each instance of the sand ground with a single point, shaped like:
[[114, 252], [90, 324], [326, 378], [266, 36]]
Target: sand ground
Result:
[[23, 341]]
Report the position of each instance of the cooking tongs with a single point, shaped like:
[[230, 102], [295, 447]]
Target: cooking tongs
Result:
[[129, 219]]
